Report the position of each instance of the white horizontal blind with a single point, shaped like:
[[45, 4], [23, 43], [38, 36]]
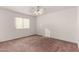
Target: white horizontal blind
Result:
[[26, 23], [22, 23]]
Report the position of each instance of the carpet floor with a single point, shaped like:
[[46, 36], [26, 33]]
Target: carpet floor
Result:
[[37, 43]]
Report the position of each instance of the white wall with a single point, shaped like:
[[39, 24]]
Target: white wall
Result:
[[7, 25], [60, 25], [77, 32]]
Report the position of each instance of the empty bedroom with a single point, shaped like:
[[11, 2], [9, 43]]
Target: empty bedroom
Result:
[[39, 29]]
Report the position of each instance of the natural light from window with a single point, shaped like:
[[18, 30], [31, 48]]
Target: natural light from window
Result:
[[22, 23]]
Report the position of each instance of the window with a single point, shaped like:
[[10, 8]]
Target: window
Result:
[[22, 23]]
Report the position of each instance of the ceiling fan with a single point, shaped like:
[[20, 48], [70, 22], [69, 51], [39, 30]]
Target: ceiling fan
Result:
[[38, 10]]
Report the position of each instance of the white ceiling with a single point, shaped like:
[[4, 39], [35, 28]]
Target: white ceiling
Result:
[[28, 9]]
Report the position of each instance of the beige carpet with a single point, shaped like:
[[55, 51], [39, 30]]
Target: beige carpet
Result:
[[37, 43]]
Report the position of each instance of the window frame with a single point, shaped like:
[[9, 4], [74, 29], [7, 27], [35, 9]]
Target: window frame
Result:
[[22, 23]]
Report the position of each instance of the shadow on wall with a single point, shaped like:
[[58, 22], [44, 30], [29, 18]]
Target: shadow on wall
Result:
[[47, 32]]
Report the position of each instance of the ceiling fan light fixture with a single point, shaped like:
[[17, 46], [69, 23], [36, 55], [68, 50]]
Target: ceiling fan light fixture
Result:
[[38, 11]]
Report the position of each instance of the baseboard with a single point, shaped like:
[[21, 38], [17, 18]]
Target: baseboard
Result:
[[62, 40], [18, 38], [41, 36]]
